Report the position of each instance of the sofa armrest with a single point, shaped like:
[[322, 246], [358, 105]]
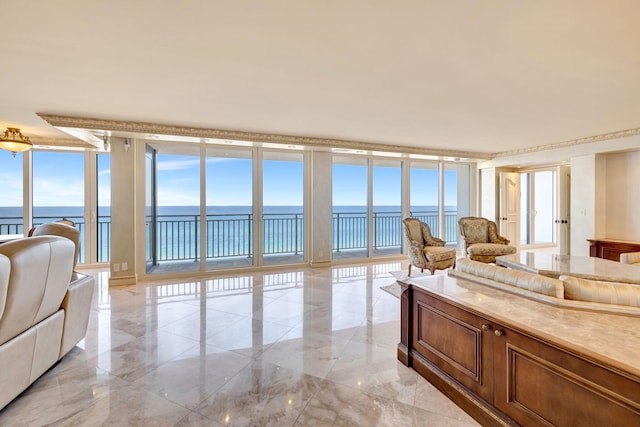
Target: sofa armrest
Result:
[[434, 241], [76, 306]]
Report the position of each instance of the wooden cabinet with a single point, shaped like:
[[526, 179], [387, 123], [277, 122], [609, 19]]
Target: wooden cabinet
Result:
[[501, 375], [611, 249]]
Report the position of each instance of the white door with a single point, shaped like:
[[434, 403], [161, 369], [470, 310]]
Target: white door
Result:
[[564, 208], [509, 223]]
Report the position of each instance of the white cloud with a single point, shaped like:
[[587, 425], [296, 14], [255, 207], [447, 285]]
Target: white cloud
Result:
[[173, 165]]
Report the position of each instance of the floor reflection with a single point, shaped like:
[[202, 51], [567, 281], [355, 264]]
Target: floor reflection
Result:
[[301, 347]]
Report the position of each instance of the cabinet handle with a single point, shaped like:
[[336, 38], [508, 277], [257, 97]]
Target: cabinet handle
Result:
[[486, 327], [499, 333]]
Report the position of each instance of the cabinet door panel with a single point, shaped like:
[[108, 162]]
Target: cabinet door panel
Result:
[[537, 384], [452, 339]]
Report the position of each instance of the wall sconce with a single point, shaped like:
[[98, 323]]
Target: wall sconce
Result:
[[13, 140], [127, 144]]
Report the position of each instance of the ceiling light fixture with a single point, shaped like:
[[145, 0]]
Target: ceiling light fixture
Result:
[[13, 140]]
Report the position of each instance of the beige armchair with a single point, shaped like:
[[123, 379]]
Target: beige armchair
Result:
[[426, 251], [481, 241], [630, 258]]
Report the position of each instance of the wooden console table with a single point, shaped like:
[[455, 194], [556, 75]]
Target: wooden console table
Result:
[[611, 249]]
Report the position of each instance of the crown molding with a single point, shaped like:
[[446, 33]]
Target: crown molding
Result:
[[159, 129], [60, 142], [571, 143], [258, 137]]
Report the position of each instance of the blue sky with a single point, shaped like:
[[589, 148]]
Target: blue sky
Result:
[[59, 178]]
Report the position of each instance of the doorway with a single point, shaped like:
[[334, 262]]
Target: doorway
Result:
[[538, 208]]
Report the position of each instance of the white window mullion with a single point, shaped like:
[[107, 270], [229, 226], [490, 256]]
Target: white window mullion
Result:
[[258, 235], [90, 208], [441, 221]]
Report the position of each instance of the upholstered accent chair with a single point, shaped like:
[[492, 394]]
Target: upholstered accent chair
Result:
[[630, 258], [426, 251], [481, 241]]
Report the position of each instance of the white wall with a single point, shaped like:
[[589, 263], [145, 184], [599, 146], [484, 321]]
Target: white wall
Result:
[[588, 201], [623, 196], [488, 194], [123, 213]]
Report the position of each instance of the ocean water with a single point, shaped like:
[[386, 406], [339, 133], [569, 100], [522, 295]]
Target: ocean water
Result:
[[13, 214]]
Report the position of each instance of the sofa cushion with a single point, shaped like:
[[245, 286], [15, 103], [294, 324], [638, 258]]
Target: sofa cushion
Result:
[[630, 258], [601, 292], [520, 279], [481, 269]]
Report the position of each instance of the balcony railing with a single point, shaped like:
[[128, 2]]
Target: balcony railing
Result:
[[350, 228], [228, 236], [177, 236]]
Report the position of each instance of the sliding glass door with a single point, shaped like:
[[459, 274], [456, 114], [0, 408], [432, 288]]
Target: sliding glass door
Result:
[[350, 207], [387, 207], [282, 207], [538, 207], [173, 210]]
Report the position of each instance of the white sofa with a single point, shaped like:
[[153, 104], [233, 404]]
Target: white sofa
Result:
[[566, 291], [44, 309], [630, 258]]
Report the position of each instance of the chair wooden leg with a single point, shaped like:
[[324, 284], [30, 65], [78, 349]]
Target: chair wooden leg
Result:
[[432, 270], [409, 271]]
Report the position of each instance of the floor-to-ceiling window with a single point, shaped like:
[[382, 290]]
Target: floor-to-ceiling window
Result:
[[11, 209], [58, 190], [424, 194], [350, 207], [440, 195], [387, 207], [238, 232], [58, 182], [229, 206], [282, 207]]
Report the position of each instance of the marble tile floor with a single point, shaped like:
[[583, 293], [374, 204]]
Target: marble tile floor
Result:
[[308, 347]]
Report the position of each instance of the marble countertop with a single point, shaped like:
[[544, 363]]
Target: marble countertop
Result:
[[611, 338], [552, 265]]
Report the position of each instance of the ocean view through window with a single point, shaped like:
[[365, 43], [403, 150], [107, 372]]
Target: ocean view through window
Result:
[[223, 207], [180, 246]]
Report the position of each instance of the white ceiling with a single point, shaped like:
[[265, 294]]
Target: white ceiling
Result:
[[477, 75]]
